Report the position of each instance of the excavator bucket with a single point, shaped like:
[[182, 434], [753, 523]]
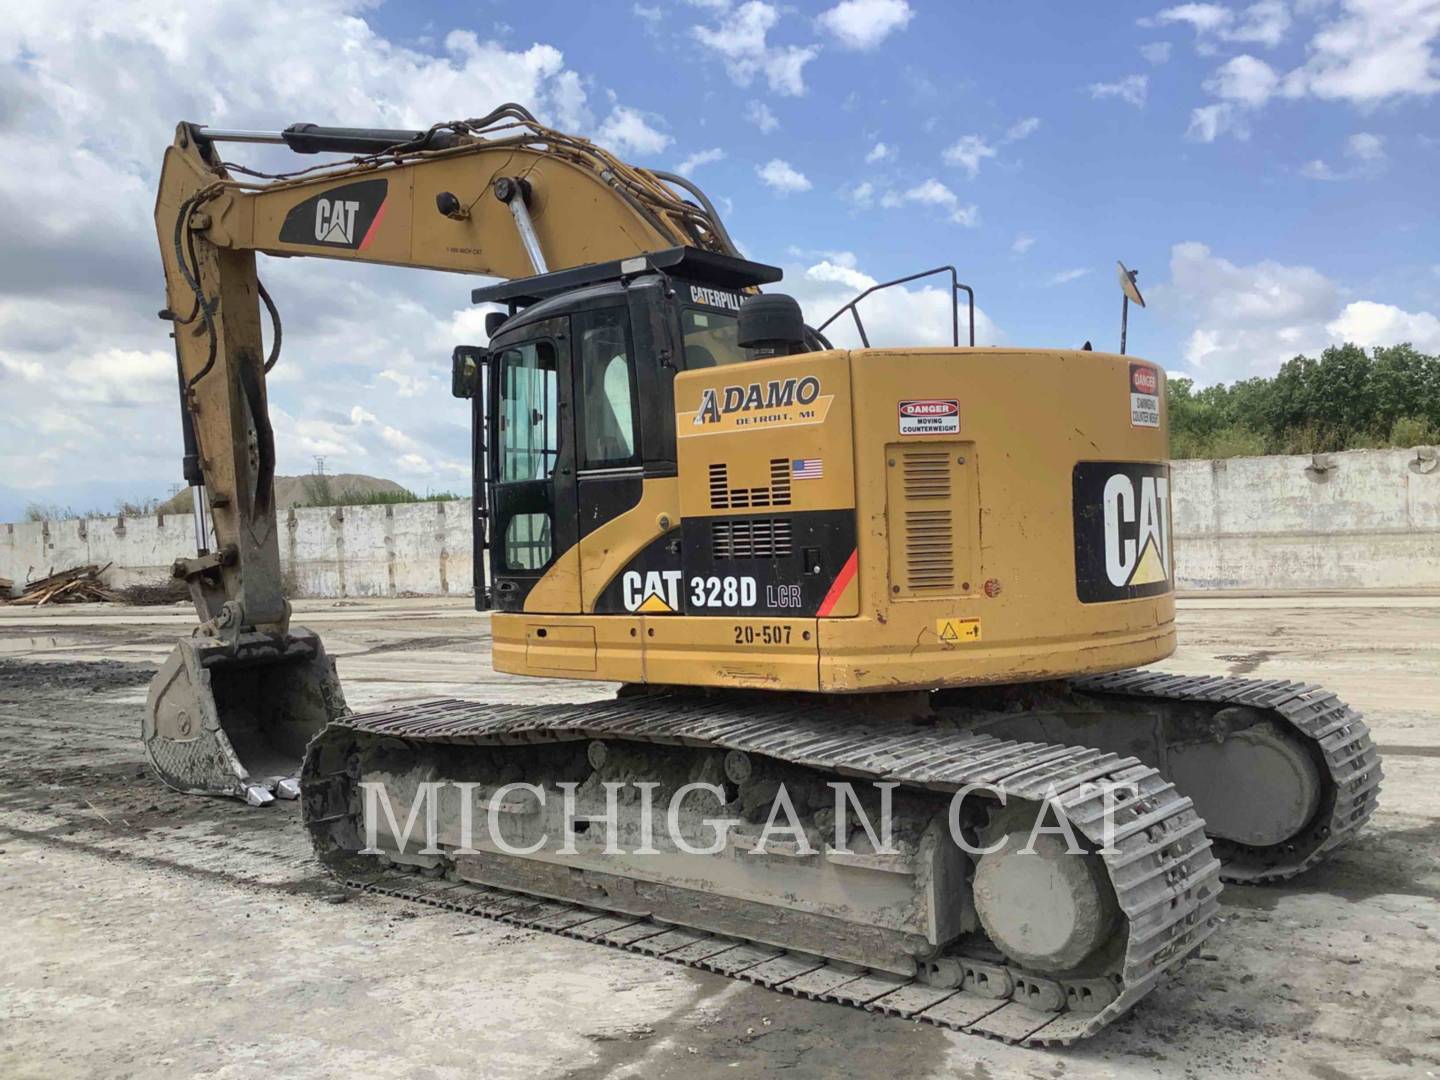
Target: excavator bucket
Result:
[[233, 717]]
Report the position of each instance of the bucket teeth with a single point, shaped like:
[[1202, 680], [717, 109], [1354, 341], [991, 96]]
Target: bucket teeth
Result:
[[223, 719], [287, 788]]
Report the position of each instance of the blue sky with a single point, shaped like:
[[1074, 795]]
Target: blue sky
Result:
[[1267, 167]]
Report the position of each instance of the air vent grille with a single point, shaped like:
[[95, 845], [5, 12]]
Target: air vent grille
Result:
[[929, 549], [927, 474], [931, 515], [751, 538], [725, 497]]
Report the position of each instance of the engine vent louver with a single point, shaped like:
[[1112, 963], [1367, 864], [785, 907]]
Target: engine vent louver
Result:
[[930, 506], [929, 528], [724, 497], [751, 538]]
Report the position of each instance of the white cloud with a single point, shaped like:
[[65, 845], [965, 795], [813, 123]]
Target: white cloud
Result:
[[932, 192], [862, 194], [1022, 243], [700, 157], [899, 316], [781, 176], [29, 370], [1373, 50], [968, 216], [879, 152], [1364, 52], [1244, 79], [627, 131], [94, 95], [759, 114], [740, 37], [407, 384], [1205, 18], [968, 152], [1264, 23], [1022, 129], [1209, 122], [1132, 89], [1248, 320], [864, 24], [1064, 277], [839, 258], [1368, 323], [1156, 52], [1366, 147]]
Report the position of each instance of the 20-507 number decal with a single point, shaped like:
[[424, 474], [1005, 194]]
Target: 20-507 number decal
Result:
[[768, 634]]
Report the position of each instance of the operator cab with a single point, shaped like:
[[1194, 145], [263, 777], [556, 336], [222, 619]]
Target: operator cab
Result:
[[573, 402]]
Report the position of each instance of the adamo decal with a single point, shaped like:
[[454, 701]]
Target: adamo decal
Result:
[[1122, 530], [777, 403]]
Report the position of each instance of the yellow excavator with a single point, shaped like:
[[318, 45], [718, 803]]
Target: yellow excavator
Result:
[[837, 586]]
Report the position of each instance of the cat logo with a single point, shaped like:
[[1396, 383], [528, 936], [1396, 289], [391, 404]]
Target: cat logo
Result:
[[335, 221], [1122, 530], [347, 216], [655, 592]]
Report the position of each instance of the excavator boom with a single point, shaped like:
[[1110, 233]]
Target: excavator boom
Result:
[[500, 196]]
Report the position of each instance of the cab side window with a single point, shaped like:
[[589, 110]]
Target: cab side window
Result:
[[607, 394]]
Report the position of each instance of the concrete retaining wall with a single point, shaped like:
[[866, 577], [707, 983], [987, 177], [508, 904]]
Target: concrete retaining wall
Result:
[[1367, 519], [419, 548], [1364, 519]]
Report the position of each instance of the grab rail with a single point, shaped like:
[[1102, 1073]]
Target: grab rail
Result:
[[955, 287]]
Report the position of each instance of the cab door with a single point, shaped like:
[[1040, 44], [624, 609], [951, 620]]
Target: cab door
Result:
[[534, 515]]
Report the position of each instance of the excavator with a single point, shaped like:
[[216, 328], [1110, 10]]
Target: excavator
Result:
[[914, 585]]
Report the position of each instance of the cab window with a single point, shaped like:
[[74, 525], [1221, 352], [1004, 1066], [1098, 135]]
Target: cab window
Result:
[[607, 389], [711, 339], [529, 430]]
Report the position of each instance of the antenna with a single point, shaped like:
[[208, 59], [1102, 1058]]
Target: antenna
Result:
[[1130, 291]]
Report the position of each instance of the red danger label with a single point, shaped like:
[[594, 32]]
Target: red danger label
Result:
[[930, 416], [930, 408], [1144, 379]]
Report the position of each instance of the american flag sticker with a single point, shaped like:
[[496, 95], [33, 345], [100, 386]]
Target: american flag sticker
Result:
[[807, 469]]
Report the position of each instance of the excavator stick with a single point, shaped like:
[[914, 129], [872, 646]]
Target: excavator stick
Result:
[[233, 717]]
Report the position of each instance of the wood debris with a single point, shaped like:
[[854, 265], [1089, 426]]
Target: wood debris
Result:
[[78, 585]]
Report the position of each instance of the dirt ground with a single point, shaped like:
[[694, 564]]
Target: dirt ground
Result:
[[152, 934]]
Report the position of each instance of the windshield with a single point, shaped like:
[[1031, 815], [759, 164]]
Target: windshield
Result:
[[711, 339]]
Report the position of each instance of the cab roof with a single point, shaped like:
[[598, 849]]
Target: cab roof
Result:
[[708, 267]]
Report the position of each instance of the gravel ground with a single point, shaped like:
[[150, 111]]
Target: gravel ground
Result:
[[153, 934]]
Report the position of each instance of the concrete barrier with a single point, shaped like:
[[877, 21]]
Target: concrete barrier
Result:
[[1365, 519], [408, 548]]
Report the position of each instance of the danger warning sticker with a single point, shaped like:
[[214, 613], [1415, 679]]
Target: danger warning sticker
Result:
[[1144, 396], [930, 416], [957, 631]]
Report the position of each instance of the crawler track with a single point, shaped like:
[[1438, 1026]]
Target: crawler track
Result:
[[1351, 777], [1164, 875]]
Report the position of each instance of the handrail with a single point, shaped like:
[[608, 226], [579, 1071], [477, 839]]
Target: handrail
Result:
[[955, 287]]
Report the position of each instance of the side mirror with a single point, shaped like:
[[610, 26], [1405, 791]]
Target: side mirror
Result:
[[493, 321], [465, 365]]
